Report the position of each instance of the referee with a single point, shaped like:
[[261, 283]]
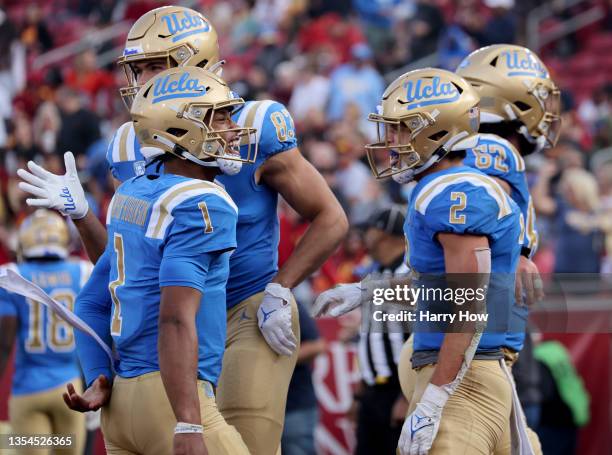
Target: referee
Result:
[[381, 406]]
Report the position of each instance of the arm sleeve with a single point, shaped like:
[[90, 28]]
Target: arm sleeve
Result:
[[277, 131], [94, 306], [122, 153], [203, 226]]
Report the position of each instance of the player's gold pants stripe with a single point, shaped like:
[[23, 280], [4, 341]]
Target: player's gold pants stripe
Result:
[[253, 386], [46, 413], [139, 420]]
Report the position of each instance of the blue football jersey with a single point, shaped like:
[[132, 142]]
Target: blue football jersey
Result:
[[168, 230], [124, 156], [255, 261], [462, 200], [45, 356], [498, 158]]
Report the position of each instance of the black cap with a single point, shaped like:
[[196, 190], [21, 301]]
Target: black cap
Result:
[[389, 220]]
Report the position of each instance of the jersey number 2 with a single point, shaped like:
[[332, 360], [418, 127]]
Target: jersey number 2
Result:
[[461, 203]]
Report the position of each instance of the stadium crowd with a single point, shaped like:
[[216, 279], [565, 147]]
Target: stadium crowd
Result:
[[329, 62]]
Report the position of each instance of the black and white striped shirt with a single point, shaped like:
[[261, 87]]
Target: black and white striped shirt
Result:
[[379, 348]]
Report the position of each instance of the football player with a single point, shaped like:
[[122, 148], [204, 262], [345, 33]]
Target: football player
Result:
[[263, 329], [520, 115], [459, 221], [170, 239], [46, 359]]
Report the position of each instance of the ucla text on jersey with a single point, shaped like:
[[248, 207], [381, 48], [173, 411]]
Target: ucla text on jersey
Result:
[[255, 261], [462, 200], [168, 230], [45, 356]]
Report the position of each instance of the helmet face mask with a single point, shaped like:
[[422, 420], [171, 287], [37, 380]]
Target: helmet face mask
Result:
[[180, 111], [394, 150], [423, 115], [174, 35]]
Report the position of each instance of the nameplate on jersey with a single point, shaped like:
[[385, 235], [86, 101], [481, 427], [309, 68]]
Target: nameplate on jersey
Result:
[[429, 92], [129, 209]]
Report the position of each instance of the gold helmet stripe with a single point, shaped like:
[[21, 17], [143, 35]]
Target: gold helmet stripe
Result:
[[436, 186], [161, 215]]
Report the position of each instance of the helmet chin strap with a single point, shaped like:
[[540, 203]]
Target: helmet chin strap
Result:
[[227, 167], [539, 142], [460, 141]]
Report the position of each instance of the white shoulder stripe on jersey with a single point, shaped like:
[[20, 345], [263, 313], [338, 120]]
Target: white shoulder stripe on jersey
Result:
[[439, 184], [131, 139], [161, 214], [518, 159], [244, 112], [86, 268], [117, 142], [260, 117], [109, 211]]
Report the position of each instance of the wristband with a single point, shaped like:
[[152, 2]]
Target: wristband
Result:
[[182, 427]]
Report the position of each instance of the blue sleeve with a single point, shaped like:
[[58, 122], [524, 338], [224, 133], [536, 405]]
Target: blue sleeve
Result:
[[94, 306], [277, 131], [123, 154], [465, 209], [202, 225], [7, 304], [308, 326]]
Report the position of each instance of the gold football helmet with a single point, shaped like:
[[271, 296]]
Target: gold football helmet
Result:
[[173, 113], [424, 114], [514, 85], [181, 36], [43, 234]]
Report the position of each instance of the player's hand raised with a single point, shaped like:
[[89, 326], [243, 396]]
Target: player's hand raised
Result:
[[96, 396], [63, 193]]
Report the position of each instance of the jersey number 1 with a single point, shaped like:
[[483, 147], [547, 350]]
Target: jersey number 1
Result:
[[117, 320]]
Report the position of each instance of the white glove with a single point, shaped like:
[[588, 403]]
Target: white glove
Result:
[[63, 193], [338, 301], [421, 427], [274, 318]]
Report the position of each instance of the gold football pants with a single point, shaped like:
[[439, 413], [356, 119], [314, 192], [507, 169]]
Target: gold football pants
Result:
[[139, 419], [254, 381], [408, 381], [46, 413]]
